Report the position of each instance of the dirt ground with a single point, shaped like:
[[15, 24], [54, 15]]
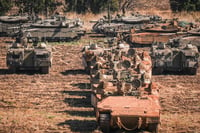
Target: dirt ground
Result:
[[60, 101]]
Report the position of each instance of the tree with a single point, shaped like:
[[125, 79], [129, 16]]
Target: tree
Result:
[[94, 6], [185, 5], [5, 5], [125, 5], [36, 6]]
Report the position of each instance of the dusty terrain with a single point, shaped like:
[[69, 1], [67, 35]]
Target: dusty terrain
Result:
[[60, 101]]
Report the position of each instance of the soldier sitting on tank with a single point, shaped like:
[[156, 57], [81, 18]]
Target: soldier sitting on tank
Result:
[[136, 61], [24, 42], [19, 36], [42, 45], [120, 45], [188, 46], [116, 56], [36, 42]]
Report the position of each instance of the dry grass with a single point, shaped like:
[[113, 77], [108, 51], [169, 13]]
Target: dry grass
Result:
[[180, 123], [168, 14]]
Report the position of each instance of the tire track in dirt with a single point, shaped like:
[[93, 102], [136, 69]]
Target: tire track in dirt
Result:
[[180, 101], [57, 102], [60, 101]]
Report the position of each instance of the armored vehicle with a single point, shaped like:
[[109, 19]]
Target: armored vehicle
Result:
[[176, 55], [11, 24], [195, 32], [54, 34], [123, 95], [157, 32], [29, 56], [55, 29], [193, 37], [121, 24]]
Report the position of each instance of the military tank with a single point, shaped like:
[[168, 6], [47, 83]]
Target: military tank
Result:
[[29, 56], [55, 29], [158, 32], [11, 24], [136, 18], [193, 37], [121, 24], [123, 95], [176, 55]]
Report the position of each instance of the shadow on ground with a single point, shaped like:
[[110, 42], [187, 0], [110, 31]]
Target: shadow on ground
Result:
[[80, 99], [173, 73], [4, 71], [74, 72], [85, 126], [79, 113], [26, 72], [78, 93], [78, 102], [82, 85]]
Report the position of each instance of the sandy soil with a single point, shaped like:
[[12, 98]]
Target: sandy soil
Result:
[[60, 101]]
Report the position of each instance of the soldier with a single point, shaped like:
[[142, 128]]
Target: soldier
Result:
[[24, 42]]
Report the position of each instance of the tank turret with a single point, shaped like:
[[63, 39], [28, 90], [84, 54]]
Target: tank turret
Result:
[[22, 55], [176, 55]]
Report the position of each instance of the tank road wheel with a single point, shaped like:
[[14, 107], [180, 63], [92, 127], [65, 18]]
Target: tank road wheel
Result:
[[157, 71], [153, 128], [45, 70], [12, 69], [104, 122], [192, 71]]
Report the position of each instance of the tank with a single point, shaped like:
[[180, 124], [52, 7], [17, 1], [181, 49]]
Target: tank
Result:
[[195, 32], [11, 24], [157, 32], [29, 56], [123, 94], [121, 24], [55, 29], [176, 56], [193, 37]]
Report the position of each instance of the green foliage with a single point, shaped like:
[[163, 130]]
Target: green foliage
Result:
[[36, 6], [83, 6], [5, 5], [185, 5], [94, 6]]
